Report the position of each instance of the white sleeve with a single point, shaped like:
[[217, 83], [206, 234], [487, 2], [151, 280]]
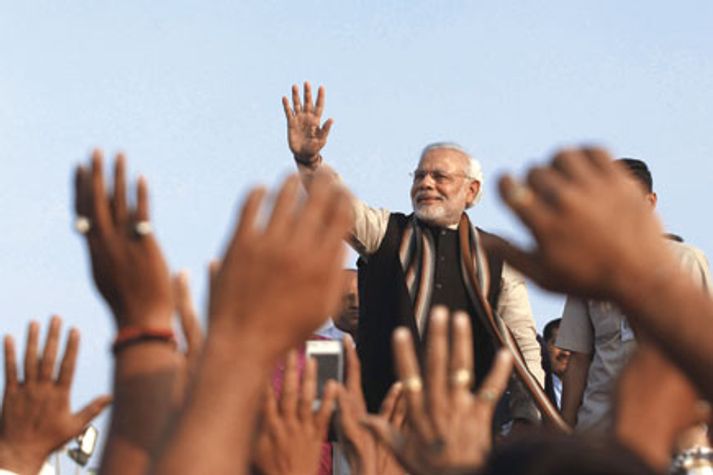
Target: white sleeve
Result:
[[514, 308]]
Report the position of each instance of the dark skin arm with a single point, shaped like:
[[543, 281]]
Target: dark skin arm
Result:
[[573, 384], [132, 276]]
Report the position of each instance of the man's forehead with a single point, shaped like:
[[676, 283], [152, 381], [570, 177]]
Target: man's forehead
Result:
[[443, 158]]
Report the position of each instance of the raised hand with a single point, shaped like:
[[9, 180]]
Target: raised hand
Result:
[[36, 414], [291, 434], [366, 454], [280, 283], [128, 267], [304, 134], [274, 286], [593, 228], [448, 429]]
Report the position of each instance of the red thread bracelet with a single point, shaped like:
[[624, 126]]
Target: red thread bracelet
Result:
[[129, 336]]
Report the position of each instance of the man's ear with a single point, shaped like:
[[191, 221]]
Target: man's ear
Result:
[[472, 193], [652, 198]]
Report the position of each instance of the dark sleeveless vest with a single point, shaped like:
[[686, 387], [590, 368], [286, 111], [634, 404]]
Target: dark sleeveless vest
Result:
[[384, 304]]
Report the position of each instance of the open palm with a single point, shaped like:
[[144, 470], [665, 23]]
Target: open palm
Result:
[[304, 134]]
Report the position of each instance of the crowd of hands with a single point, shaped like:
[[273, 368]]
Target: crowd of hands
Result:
[[207, 405]]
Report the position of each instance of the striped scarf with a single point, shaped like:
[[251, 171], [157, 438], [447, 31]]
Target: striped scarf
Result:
[[418, 261]]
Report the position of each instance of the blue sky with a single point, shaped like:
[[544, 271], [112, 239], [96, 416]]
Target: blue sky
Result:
[[191, 91]]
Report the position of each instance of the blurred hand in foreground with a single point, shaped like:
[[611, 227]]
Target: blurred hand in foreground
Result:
[[593, 231], [279, 283], [128, 266]]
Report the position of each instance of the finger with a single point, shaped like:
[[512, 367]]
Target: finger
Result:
[[49, 354], [11, 381], [398, 417], [248, 216], [388, 405], [599, 157], [288, 110], [121, 208], [69, 360], [319, 107], [284, 208], [437, 366], [31, 349], [332, 218], [213, 271], [572, 164], [296, 105], [353, 379], [410, 376], [187, 313], [548, 184], [101, 215], [324, 413], [497, 380], [462, 349], [308, 97], [385, 433], [347, 419], [290, 383], [82, 196], [326, 127], [525, 204], [309, 218], [90, 411], [525, 262], [308, 390], [142, 199], [271, 412]]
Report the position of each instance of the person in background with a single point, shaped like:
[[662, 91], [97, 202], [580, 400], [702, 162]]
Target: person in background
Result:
[[600, 337], [347, 320], [554, 362]]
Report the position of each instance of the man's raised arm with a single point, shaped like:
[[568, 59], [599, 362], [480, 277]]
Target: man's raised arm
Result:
[[306, 138]]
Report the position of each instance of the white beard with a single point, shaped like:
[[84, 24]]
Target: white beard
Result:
[[433, 214]]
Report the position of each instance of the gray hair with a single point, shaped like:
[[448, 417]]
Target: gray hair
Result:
[[474, 170]]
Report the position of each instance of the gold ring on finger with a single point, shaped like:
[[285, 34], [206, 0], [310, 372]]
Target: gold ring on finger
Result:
[[413, 383], [461, 377]]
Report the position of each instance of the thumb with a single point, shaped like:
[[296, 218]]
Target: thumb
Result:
[[92, 410], [525, 262], [383, 432]]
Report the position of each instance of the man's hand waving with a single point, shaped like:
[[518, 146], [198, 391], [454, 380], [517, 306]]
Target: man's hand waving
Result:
[[304, 134]]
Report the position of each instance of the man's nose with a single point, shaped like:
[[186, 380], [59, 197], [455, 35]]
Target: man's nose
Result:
[[427, 182]]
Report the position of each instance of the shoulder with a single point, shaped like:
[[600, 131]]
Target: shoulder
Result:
[[686, 252], [693, 262]]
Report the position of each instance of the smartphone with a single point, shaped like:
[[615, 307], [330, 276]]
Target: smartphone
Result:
[[329, 355]]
